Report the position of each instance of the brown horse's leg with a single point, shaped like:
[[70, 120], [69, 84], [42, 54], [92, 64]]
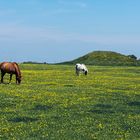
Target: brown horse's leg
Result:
[[10, 78], [2, 75]]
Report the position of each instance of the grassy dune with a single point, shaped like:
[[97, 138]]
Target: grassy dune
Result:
[[105, 58], [53, 103]]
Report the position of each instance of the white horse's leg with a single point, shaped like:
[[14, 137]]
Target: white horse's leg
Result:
[[77, 72]]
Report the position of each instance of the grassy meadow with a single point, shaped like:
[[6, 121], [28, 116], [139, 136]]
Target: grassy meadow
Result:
[[53, 103]]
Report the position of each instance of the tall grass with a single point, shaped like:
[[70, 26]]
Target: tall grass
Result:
[[53, 103]]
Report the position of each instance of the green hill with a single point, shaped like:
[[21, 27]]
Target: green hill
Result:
[[105, 58]]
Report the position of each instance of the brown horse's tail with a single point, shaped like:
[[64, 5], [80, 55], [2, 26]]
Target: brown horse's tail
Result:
[[1, 65]]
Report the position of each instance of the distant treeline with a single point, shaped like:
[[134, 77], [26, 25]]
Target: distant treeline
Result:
[[33, 62]]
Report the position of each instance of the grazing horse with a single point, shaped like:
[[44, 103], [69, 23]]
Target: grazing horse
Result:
[[11, 68], [81, 68]]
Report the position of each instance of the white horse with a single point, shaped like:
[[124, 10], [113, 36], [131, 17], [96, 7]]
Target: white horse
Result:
[[81, 68]]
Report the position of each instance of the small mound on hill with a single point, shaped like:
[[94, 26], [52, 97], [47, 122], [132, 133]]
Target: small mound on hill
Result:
[[105, 58]]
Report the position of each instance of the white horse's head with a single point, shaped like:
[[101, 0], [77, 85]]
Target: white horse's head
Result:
[[85, 70]]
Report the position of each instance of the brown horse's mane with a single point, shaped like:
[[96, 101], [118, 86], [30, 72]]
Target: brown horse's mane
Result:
[[17, 69]]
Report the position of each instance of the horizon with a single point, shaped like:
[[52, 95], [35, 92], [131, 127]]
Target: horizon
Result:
[[137, 58], [62, 30]]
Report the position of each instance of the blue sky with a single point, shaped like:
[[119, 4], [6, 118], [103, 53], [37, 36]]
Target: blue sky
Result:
[[61, 30]]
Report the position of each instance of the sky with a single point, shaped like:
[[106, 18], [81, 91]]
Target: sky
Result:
[[61, 30]]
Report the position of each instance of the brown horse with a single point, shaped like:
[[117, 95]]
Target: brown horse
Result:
[[11, 68]]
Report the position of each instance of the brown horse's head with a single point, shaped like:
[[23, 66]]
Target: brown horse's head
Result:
[[18, 79]]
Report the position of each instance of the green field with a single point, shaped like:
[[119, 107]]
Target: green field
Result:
[[53, 103]]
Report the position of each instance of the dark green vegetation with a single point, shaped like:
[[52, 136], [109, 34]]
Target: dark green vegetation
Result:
[[53, 103], [106, 58]]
